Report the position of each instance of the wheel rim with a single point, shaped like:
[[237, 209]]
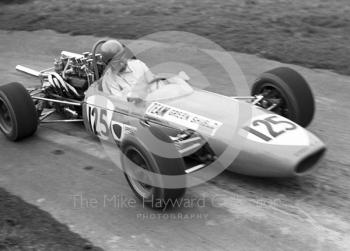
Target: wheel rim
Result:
[[143, 189], [6, 122], [274, 95]]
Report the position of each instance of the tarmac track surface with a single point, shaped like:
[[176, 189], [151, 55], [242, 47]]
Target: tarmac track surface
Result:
[[66, 172]]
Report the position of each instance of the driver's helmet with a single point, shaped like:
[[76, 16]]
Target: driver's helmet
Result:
[[112, 49]]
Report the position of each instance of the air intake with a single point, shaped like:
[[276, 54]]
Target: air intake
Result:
[[309, 162]]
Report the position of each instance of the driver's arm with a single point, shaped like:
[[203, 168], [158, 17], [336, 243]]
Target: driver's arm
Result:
[[144, 75], [149, 77], [148, 74]]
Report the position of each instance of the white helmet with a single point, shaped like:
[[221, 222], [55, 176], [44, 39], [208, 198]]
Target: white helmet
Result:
[[112, 49]]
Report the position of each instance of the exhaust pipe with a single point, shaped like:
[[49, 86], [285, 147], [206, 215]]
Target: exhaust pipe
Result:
[[27, 70]]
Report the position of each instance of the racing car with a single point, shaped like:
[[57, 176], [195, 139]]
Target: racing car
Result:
[[172, 137]]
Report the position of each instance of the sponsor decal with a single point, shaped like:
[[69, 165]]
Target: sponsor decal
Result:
[[183, 118]]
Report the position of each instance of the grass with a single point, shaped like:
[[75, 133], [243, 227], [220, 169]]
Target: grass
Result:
[[26, 227], [13, 1], [314, 33]]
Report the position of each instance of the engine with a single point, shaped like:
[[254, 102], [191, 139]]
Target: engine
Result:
[[73, 74]]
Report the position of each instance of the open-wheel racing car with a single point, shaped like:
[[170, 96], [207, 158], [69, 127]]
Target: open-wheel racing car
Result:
[[173, 131]]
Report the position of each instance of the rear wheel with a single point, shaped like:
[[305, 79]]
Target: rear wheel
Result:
[[18, 116], [286, 93]]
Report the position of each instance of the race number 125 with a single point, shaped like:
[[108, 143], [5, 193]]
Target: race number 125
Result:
[[98, 121], [270, 123]]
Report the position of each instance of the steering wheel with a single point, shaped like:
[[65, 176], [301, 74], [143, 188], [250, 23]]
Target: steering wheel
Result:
[[156, 80]]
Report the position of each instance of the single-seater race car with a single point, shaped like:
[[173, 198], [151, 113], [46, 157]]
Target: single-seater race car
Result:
[[176, 130]]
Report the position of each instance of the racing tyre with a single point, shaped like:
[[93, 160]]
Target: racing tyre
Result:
[[18, 116], [144, 172], [288, 92]]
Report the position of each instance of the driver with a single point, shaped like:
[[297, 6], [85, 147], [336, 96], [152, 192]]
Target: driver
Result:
[[123, 77]]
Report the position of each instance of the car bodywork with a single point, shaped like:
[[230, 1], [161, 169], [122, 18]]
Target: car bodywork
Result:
[[242, 137]]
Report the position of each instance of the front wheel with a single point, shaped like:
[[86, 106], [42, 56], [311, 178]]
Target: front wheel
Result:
[[286, 93], [143, 171]]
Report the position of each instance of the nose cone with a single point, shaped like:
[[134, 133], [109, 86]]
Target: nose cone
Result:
[[278, 161], [273, 146]]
